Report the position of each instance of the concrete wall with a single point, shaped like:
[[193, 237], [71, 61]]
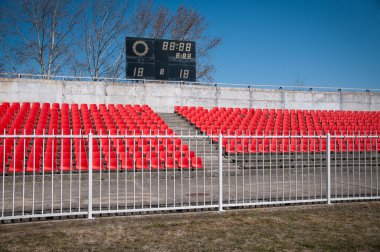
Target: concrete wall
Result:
[[163, 97]]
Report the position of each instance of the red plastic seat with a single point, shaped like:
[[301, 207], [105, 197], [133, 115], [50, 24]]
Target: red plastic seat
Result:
[[155, 164], [2, 159], [142, 164], [81, 163], [263, 148], [112, 164], [163, 156], [188, 154], [304, 148], [241, 149], [230, 148], [170, 163], [273, 148], [170, 148], [313, 147], [253, 148], [150, 155], [16, 166], [159, 148], [50, 163], [184, 163], [66, 164], [196, 163], [127, 164], [293, 147], [97, 164], [183, 147]]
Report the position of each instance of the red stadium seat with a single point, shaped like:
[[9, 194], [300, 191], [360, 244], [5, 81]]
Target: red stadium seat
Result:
[[155, 164], [196, 163], [184, 163], [142, 163], [170, 163]]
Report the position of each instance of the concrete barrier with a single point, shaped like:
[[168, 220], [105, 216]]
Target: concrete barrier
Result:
[[164, 96]]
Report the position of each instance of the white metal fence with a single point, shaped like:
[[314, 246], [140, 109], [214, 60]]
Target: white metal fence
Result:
[[60, 175]]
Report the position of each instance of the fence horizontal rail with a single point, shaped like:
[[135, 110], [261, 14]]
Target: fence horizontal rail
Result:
[[59, 136], [198, 83]]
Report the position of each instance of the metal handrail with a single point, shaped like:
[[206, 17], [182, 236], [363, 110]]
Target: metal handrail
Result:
[[215, 84]]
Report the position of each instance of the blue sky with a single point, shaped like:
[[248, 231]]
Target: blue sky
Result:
[[309, 42]]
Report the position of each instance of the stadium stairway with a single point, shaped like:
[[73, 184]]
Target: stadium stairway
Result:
[[182, 126], [178, 124]]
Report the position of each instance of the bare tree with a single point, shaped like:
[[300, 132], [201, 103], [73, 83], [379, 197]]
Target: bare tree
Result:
[[161, 23], [141, 19], [104, 27], [37, 34]]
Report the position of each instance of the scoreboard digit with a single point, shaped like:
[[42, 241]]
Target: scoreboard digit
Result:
[[140, 70], [182, 72]]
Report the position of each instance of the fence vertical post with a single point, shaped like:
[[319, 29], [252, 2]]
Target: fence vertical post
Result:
[[220, 172], [90, 176], [328, 170]]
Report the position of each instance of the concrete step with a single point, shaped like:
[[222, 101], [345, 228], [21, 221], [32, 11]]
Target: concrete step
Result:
[[203, 147], [177, 123]]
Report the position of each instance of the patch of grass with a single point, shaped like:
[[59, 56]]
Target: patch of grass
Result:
[[346, 226]]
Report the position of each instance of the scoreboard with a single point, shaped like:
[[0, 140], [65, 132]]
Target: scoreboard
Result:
[[160, 59]]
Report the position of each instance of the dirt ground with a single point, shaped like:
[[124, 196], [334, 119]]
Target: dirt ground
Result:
[[344, 226]]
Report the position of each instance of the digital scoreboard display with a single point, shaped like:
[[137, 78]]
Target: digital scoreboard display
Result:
[[160, 59]]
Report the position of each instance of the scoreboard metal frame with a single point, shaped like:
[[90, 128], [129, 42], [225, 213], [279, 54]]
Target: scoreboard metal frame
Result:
[[160, 59]]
